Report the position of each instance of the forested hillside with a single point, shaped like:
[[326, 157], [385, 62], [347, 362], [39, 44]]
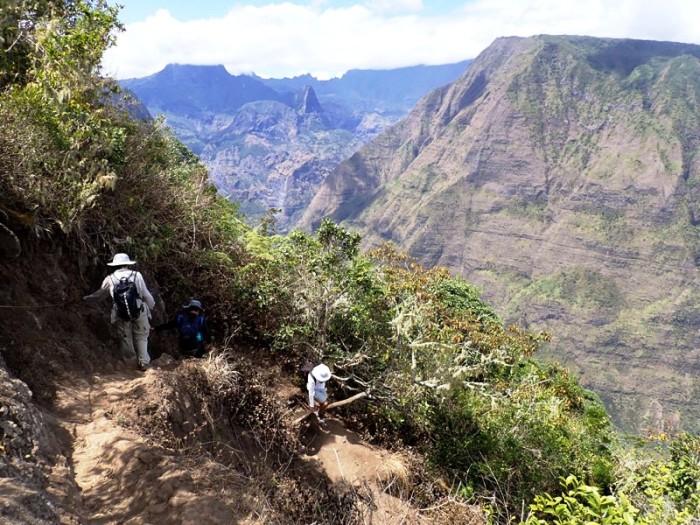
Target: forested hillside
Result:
[[484, 428]]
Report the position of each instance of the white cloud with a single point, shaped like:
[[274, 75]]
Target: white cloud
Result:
[[394, 6], [286, 39]]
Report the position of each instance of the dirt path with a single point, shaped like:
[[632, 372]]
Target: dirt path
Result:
[[125, 480], [345, 458]]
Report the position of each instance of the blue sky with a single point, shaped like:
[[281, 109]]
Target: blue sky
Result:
[[137, 10], [328, 37]]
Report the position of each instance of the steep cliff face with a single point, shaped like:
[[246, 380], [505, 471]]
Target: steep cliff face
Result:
[[561, 175], [269, 154]]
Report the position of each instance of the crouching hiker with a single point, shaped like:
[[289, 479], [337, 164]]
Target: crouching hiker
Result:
[[132, 303], [316, 385], [192, 330]]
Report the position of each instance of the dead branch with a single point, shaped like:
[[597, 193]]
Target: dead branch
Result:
[[335, 404]]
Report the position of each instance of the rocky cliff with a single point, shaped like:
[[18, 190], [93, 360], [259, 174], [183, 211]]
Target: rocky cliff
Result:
[[561, 175]]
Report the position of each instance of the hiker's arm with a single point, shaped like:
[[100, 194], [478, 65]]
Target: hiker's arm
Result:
[[143, 291], [166, 326], [310, 385], [100, 294]]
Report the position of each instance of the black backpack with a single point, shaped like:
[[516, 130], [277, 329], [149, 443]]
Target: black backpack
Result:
[[125, 297]]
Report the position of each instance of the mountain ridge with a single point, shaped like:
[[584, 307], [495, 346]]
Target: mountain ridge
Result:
[[395, 90], [270, 149], [556, 174]]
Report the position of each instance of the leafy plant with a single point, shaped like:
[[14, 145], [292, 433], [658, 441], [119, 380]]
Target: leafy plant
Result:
[[660, 491], [581, 505]]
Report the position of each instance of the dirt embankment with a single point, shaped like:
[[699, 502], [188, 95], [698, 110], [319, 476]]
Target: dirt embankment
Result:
[[93, 441]]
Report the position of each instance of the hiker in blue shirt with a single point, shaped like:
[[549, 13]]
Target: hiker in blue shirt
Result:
[[192, 330]]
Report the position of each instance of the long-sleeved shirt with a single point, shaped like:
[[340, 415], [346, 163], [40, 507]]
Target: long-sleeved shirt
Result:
[[315, 387], [179, 323]]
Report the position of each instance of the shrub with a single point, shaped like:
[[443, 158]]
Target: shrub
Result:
[[660, 491]]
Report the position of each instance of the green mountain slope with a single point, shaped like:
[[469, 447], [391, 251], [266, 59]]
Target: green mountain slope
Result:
[[561, 175]]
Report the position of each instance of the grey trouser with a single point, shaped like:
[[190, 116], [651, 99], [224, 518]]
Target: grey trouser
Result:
[[134, 334]]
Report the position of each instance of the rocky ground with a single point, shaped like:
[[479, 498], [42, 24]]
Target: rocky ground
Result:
[[83, 462]]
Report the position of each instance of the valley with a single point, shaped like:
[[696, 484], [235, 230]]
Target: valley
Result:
[[270, 143]]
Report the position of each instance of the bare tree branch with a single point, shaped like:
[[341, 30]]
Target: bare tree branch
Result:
[[333, 405]]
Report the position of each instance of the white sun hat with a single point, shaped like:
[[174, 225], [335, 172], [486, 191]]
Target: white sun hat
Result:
[[120, 259], [321, 373]]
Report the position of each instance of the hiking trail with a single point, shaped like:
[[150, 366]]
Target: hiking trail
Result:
[[124, 479]]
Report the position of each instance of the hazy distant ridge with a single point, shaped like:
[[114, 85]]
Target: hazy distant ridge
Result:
[[270, 143]]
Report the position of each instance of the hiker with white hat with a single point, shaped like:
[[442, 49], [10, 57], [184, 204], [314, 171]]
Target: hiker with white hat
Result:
[[316, 385], [132, 303]]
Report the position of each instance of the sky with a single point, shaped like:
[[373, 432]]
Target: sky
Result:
[[326, 38]]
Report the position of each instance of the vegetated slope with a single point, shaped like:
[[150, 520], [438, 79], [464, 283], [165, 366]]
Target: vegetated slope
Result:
[[560, 174], [192, 442], [271, 148]]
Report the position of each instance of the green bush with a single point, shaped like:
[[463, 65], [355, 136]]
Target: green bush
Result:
[[581, 505], [517, 439], [661, 491]]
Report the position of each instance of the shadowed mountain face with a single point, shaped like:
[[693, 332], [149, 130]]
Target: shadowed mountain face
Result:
[[270, 143], [561, 174], [196, 90]]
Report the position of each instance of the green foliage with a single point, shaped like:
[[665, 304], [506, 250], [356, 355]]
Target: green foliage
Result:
[[684, 465], [449, 377], [579, 287], [459, 296], [59, 147], [521, 435], [324, 294], [658, 491], [581, 505], [32, 30]]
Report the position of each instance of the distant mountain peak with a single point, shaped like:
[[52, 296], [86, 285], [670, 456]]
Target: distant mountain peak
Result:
[[307, 102], [184, 72], [190, 89]]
